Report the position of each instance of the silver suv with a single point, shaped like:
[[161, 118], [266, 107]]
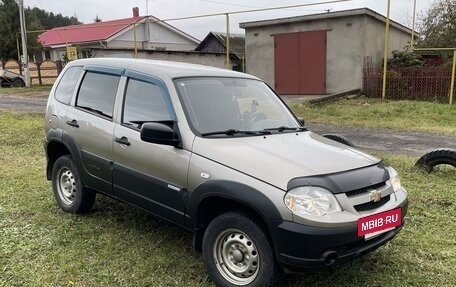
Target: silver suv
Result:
[[218, 153]]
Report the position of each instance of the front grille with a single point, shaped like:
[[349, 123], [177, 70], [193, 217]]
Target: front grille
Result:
[[365, 189], [372, 205]]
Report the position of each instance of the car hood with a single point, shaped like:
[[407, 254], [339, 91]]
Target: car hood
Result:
[[278, 158]]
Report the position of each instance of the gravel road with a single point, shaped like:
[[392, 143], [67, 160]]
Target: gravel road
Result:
[[381, 140], [33, 102], [391, 141]]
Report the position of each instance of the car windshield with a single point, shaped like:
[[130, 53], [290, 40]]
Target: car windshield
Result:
[[233, 106]]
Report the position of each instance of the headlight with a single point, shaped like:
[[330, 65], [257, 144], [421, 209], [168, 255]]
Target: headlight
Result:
[[309, 200], [395, 180]]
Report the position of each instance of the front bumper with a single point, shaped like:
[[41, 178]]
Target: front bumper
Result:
[[302, 247]]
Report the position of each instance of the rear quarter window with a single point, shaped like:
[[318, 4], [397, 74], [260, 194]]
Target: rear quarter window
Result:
[[65, 89], [97, 93]]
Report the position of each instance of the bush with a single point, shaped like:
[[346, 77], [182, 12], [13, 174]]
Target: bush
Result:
[[405, 59]]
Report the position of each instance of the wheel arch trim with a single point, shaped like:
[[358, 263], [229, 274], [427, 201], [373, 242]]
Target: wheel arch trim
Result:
[[63, 138], [234, 191]]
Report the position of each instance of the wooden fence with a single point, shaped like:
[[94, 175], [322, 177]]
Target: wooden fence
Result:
[[44, 73]]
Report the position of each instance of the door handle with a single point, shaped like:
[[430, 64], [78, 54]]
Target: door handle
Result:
[[122, 140], [73, 123]]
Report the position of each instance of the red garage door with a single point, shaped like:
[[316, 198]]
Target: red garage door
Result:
[[300, 63]]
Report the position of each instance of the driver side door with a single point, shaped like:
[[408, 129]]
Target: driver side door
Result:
[[151, 176]]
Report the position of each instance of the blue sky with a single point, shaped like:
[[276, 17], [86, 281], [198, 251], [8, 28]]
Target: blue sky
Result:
[[87, 10]]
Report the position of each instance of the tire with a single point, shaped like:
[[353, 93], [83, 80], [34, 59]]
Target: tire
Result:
[[18, 83], [242, 246], [436, 157], [339, 138], [69, 192]]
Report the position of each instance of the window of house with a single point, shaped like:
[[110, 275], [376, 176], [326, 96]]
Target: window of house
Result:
[[98, 93]]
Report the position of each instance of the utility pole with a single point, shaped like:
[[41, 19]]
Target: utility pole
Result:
[[385, 52], [24, 42], [227, 42]]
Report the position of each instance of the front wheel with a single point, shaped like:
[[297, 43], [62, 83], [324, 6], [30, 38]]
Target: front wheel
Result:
[[236, 252], [69, 192]]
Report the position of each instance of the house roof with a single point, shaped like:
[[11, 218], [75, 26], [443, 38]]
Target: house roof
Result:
[[99, 31], [324, 16], [85, 33], [237, 42]]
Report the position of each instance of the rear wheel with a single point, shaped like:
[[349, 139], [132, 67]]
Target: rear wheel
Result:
[[69, 192], [236, 252]]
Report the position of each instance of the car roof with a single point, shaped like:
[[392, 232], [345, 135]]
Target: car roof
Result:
[[154, 67]]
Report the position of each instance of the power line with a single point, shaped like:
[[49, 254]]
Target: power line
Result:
[[210, 15], [255, 10], [247, 6], [230, 4]]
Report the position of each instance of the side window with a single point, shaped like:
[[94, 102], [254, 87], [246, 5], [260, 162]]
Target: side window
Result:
[[144, 102], [67, 84], [98, 93]]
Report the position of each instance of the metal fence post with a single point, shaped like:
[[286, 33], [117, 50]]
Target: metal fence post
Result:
[[452, 77]]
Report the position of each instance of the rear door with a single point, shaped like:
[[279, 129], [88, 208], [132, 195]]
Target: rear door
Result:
[[90, 126], [151, 176]]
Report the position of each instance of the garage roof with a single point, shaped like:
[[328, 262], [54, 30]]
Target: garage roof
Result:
[[324, 16]]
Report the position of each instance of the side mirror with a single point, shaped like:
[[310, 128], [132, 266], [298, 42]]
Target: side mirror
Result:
[[302, 121], [161, 133]]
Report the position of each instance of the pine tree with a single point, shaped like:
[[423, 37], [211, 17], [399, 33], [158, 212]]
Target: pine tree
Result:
[[36, 19], [9, 27]]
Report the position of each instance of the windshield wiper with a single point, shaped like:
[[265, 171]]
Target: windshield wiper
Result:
[[231, 132], [284, 128]]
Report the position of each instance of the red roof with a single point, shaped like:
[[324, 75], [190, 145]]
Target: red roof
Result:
[[92, 32]]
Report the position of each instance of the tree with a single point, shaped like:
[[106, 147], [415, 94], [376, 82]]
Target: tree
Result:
[[50, 20], [97, 19], [33, 24], [438, 25], [9, 26], [36, 20]]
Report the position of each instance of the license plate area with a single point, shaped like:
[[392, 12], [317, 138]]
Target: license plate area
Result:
[[373, 225]]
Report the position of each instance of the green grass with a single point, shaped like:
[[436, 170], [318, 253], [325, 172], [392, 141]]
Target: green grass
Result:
[[116, 245], [37, 88], [399, 115]]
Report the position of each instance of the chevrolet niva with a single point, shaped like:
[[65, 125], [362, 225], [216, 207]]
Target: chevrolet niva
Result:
[[218, 153]]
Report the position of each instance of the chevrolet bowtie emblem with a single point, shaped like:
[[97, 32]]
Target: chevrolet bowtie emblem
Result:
[[375, 195]]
